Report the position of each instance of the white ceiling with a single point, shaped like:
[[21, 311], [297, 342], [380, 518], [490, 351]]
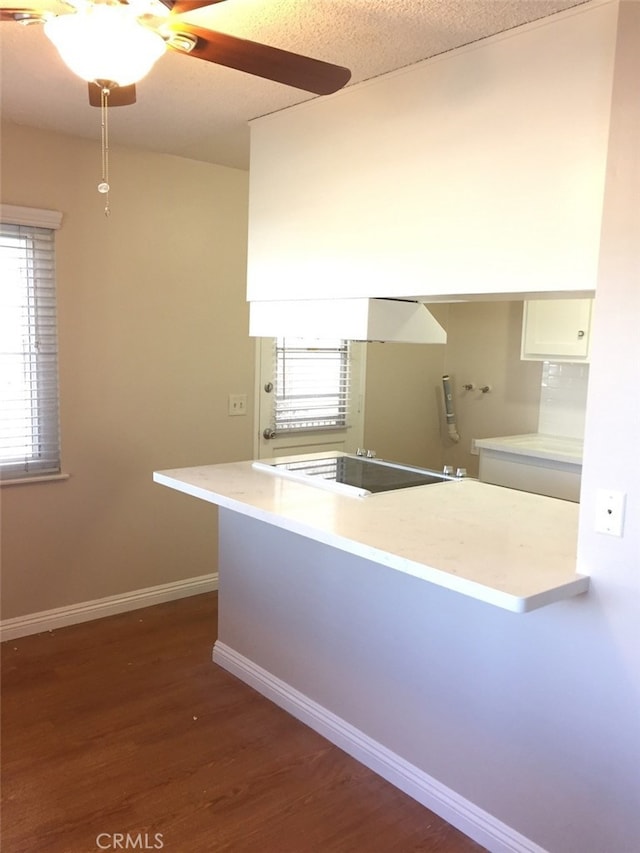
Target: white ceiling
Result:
[[198, 110]]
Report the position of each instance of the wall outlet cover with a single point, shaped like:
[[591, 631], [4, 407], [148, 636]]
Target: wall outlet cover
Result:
[[610, 512]]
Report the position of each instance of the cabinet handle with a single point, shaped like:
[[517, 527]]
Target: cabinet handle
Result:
[[580, 334]]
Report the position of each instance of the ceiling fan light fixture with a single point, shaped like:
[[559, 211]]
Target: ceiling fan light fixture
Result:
[[105, 42]]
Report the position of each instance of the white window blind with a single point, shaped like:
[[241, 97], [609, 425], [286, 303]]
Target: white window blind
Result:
[[311, 388], [29, 432]]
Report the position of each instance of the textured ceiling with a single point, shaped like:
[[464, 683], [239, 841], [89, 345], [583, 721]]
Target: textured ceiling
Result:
[[195, 109]]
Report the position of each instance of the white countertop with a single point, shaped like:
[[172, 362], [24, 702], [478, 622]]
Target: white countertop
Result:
[[511, 549], [555, 447]]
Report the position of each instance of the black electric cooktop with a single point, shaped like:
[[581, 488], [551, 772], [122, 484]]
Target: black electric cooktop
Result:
[[362, 473]]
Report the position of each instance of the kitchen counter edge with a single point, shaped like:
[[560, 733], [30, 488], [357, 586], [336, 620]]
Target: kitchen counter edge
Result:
[[304, 510]]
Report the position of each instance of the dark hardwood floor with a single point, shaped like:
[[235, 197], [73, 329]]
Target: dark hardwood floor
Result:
[[125, 726]]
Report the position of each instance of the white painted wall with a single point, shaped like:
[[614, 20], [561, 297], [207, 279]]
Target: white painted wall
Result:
[[480, 171], [404, 411]]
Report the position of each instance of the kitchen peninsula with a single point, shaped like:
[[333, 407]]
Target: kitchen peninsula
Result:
[[507, 548], [390, 623]]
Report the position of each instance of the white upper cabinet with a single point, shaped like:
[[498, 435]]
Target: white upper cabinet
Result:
[[480, 172], [556, 329]]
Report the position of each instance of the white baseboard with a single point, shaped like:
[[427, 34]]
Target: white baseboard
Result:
[[476, 823], [48, 620]]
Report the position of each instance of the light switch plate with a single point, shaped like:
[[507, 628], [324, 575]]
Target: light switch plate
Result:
[[237, 404]]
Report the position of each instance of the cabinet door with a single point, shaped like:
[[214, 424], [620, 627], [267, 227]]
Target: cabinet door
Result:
[[556, 329]]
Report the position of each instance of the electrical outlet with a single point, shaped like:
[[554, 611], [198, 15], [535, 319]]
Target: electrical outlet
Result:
[[237, 404], [610, 512], [474, 448]]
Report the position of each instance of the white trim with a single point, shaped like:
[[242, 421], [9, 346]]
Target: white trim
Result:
[[476, 823], [37, 478], [48, 620], [34, 216]]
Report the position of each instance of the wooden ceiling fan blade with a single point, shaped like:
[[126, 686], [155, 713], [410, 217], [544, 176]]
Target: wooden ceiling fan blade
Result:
[[181, 7], [119, 96], [271, 63], [20, 14]]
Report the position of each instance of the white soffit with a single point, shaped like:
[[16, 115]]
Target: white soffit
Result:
[[349, 319]]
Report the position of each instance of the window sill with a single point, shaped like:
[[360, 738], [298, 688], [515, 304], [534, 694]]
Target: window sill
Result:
[[43, 478]]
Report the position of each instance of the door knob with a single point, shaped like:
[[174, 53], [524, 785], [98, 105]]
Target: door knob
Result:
[[269, 432]]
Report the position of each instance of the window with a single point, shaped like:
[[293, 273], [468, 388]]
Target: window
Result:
[[29, 433], [312, 381]]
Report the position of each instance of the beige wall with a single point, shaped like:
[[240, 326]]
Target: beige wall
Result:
[[483, 348], [404, 416], [153, 333], [400, 413]]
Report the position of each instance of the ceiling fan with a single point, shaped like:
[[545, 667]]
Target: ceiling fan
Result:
[[113, 43]]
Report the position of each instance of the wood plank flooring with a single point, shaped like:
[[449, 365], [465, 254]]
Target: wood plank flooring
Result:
[[125, 726]]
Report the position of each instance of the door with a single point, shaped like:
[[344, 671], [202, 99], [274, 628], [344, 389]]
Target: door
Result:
[[309, 396]]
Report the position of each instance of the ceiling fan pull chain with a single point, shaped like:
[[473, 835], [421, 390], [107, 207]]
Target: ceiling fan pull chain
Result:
[[103, 186]]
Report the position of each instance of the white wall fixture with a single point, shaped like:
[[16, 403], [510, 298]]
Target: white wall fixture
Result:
[[610, 512]]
